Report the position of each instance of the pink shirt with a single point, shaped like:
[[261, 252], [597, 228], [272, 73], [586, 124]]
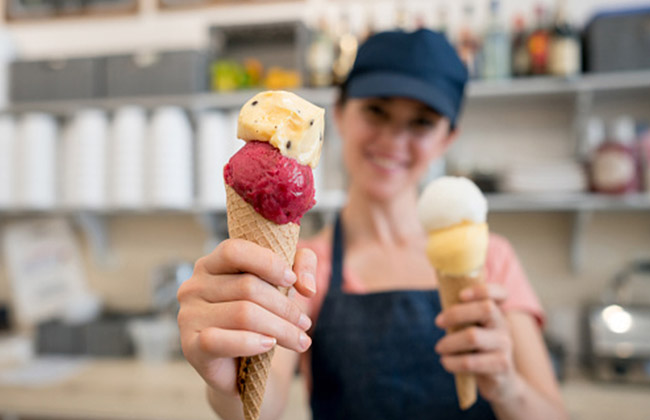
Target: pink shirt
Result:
[[502, 266]]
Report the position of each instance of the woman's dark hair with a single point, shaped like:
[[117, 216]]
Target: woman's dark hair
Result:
[[342, 97]]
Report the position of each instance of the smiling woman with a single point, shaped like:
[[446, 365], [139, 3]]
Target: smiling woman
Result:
[[367, 293]]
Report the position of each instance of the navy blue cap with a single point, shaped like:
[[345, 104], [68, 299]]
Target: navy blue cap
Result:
[[419, 65]]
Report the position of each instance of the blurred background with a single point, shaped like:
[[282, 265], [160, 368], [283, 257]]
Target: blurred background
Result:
[[117, 116]]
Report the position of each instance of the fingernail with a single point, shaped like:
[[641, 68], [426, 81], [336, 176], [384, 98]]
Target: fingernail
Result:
[[304, 322], [289, 277], [267, 342], [309, 282], [466, 294], [304, 341]]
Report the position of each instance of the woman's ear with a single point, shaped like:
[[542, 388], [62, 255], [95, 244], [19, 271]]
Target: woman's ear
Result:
[[450, 139]]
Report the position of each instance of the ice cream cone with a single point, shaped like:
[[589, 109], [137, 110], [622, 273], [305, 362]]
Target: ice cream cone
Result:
[[450, 287], [245, 223]]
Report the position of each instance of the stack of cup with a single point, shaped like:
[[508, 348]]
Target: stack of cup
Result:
[[127, 158], [35, 169], [170, 166], [213, 154], [84, 160], [7, 144]]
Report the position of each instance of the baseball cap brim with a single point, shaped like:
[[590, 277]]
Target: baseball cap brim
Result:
[[387, 84]]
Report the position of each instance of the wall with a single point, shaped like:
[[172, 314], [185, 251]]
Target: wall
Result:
[[187, 29]]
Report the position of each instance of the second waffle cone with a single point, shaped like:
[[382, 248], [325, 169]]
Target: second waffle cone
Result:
[[449, 289], [245, 223]]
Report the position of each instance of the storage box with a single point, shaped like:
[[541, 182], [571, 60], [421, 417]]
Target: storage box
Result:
[[157, 73], [617, 41], [78, 78]]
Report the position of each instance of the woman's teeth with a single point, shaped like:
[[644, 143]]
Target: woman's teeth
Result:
[[385, 163]]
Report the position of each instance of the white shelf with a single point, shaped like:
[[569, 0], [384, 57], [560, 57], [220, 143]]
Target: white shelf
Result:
[[528, 87], [539, 86], [332, 201], [567, 202]]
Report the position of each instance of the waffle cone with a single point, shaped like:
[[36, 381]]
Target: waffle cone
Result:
[[245, 223], [449, 288]]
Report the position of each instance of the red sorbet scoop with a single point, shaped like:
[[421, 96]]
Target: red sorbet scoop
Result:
[[278, 187]]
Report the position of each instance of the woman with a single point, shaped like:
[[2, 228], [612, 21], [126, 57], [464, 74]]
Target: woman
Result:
[[366, 291]]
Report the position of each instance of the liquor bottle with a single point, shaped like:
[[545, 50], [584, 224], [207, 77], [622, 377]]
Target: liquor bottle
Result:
[[441, 24], [468, 42], [320, 56], [520, 55], [539, 44], [615, 166], [346, 51], [496, 47], [565, 53]]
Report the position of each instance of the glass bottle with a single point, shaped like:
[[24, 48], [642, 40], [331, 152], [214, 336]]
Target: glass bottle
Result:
[[320, 56], [539, 44], [468, 42], [496, 46], [565, 52], [520, 55]]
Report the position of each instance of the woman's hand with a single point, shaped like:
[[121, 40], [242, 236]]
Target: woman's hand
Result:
[[485, 348], [230, 307]]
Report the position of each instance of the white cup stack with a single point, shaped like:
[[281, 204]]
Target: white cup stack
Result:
[[84, 160], [170, 165], [7, 169], [35, 170], [127, 158], [213, 154]]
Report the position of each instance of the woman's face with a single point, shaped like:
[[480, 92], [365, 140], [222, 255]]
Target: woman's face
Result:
[[388, 143]]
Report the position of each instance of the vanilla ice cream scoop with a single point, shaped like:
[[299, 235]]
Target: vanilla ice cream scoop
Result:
[[450, 200], [453, 211], [289, 123]]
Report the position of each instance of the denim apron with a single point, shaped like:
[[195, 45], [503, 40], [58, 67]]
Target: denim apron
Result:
[[373, 356]]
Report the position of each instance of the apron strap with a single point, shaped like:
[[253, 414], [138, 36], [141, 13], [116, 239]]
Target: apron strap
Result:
[[336, 279]]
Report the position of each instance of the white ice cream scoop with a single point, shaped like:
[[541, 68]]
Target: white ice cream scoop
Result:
[[450, 200]]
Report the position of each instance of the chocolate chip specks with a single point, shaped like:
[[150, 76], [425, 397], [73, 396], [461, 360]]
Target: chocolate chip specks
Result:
[[289, 144], [254, 103]]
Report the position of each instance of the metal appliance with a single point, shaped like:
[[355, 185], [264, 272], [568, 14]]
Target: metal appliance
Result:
[[618, 329]]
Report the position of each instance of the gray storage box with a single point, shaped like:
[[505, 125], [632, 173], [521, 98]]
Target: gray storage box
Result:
[[162, 73], [280, 44], [78, 78], [618, 41]]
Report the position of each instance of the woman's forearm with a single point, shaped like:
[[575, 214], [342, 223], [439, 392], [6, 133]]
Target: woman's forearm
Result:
[[525, 402]]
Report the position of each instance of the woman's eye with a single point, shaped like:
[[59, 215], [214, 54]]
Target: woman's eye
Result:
[[375, 111], [423, 123]]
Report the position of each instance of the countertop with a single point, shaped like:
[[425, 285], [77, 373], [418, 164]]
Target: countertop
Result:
[[128, 389]]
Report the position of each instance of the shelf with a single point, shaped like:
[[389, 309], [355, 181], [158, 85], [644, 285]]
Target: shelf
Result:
[[332, 201], [191, 102], [528, 202], [544, 85], [529, 87]]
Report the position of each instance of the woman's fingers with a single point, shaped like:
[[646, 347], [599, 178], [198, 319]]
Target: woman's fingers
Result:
[[472, 339], [234, 256], [248, 316], [483, 291], [491, 363], [247, 287], [483, 312], [305, 268], [219, 342]]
